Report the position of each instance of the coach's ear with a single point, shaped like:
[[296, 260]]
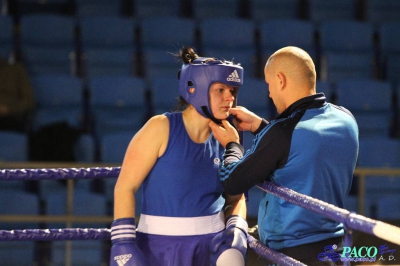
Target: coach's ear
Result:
[[282, 80]]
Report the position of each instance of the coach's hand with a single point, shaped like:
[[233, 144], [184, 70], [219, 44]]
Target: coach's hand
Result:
[[124, 250], [245, 120], [224, 133], [229, 247]]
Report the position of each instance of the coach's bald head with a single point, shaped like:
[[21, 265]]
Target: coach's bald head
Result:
[[290, 73]]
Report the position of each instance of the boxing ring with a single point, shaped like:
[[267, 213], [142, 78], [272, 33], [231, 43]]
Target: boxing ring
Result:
[[351, 221]]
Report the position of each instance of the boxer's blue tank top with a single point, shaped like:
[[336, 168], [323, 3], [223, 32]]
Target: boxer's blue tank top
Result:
[[184, 182]]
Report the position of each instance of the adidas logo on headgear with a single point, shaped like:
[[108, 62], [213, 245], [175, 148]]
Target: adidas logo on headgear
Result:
[[233, 77], [122, 259]]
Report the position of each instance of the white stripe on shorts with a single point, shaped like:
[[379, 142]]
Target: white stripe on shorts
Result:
[[181, 226]]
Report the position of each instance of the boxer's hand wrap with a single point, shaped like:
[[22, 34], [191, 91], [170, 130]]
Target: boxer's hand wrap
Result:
[[124, 250], [233, 237]]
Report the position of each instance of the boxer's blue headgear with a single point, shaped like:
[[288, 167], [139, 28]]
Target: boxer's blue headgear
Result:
[[197, 77]]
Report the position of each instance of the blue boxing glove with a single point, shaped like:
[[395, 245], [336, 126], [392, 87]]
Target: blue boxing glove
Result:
[[229, 247], [124, 250]]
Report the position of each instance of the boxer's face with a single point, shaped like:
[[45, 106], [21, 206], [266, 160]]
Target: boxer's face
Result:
[[221, 99]]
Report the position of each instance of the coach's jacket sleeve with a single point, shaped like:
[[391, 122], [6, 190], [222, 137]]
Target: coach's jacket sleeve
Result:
[[239, 172]]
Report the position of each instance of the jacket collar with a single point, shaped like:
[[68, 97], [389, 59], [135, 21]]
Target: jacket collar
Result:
[[313, 101]]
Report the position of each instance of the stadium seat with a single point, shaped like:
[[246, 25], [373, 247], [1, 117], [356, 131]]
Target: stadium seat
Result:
[[358, 36], [100, 32], [18, 252], [59, 98], [88, 252], [84, 149], [164, 91], [327, 88], [337, 66], [106, 62], [287, 32], [11, 204], [117, 103], [346, 53], [13, 146], [6, 36], [98, 8], [47, 30], [380, 153], [41, 61], [106, 51], [156, 8], [370, 101], [114, 145], [215, 8], [112, 150], [274, 9], [378, 11], [158, 63], [223, 33], [331, 10], [253, 95], [167, 33], [219, 38], [48, 43], [389, 50]]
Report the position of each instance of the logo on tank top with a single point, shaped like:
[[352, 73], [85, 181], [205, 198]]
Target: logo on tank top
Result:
[[122, 259], [216, 161]]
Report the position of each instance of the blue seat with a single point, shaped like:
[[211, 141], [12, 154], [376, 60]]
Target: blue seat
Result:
[[114, 145], [18, 252], [219, 38], [167, 33], [6, 36], [19, 203], [388, 207], [223, 33], [327, 88], [358, 36], [13, 146], [59, 98], [213, 8], [378, 153], [274, 9], [336, 66], [389, 49], [85, 203], [48, 43], [392, 67], [378, 11], [112, 150], [157, 62], [96, 8], [85, 149], [370, 101], [47, 30], [164, 100], [155, 8], [331, 10], [381, 152], [106, 62], [287, 32], [117, 103], [346, 53], [253, 95], [100, 32], [42, 60]]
